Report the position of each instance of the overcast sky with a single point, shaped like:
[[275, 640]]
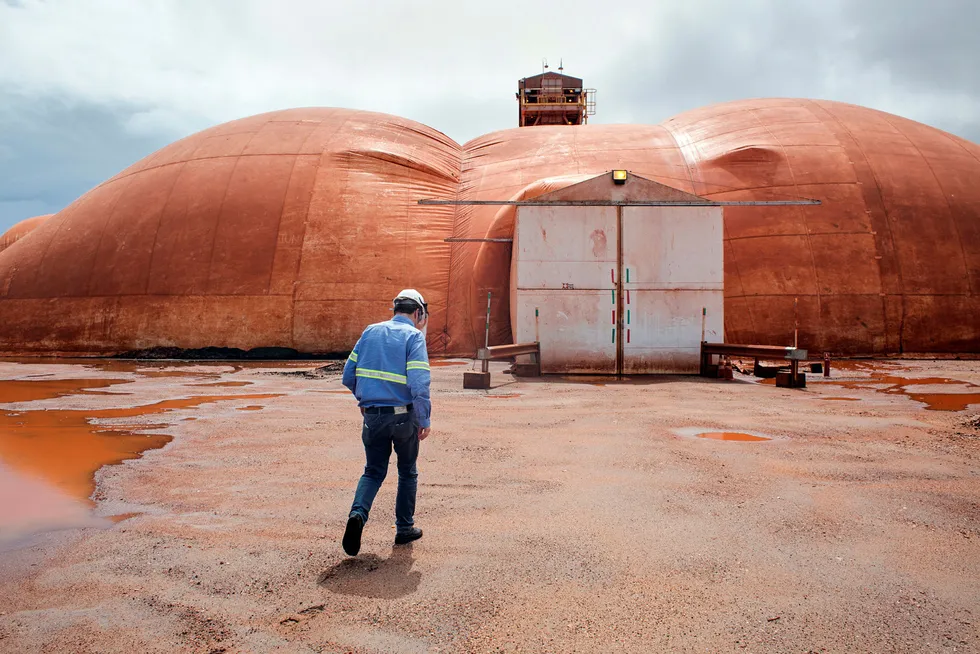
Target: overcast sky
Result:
[[88, 87]]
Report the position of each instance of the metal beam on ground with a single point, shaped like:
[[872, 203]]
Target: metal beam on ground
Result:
[[623, 203], [477, 240]]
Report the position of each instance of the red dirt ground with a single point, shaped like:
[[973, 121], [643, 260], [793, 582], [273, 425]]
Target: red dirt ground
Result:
[[569, 517]]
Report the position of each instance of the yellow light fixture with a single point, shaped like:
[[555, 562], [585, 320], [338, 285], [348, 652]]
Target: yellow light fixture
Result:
[[619, 176]]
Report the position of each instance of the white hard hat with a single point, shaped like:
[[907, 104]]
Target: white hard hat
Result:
[[414, 296]]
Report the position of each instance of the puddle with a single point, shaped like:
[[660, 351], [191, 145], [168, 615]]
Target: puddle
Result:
[[63, 446], [48, 458], [894, 385], [884, 381], [227, 384], [731, 436], [29, 506], [343, 392], [710, 433], [443, 364], [946, 401], [123, 516], [18, 390], [504, 396], [251, 407], [202, 368], [865, 365]]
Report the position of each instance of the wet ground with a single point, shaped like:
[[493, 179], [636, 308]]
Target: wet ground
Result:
[[159, 507]]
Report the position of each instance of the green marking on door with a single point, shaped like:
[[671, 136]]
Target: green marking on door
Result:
[[614, 335], [627, 275], [614, 296], [627, 316]]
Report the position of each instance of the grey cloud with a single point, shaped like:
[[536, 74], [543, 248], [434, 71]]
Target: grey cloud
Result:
[[926, 46], [51, 152], [893, 56]]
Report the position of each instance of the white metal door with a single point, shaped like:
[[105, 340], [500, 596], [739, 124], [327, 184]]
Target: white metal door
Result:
[[575, 328], [672, 271], [563, 285]]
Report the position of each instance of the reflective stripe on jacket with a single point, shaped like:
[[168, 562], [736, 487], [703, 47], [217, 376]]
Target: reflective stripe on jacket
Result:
[[390, 367]]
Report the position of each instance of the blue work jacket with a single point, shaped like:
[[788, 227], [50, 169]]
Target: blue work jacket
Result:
[[390, 367]]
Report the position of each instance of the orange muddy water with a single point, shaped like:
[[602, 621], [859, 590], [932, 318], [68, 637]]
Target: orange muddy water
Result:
[[944, 402], [48, 457], [894, 385], [731, 436], [65, 448], [30, 390], [883, 381]]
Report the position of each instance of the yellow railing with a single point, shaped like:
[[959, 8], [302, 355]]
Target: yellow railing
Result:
[[556, 98]]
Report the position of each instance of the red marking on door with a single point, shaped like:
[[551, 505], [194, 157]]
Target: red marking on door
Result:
[[598, 243], [627, 336]]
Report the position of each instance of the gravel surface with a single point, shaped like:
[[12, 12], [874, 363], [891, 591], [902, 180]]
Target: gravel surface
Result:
[[568, 516]]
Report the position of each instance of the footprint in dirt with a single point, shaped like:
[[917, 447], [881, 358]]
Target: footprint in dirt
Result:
[[371, 576], [302, 616]]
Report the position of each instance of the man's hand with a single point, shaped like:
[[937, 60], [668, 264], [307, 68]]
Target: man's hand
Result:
[[424, 433]]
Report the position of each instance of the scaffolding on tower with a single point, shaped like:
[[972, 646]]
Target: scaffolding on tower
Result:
[[553, 98]]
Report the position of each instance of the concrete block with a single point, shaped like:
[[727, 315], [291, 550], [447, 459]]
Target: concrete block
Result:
[[526, 370], [478, 380], [784, 379], [765, 372]]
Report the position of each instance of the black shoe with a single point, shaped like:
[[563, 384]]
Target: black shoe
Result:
[[352, 535], [405, 537]]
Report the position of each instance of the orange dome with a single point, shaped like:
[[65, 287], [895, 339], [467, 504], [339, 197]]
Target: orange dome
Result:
[[20, 230], [292, 228], [295, 229], [889, 262]]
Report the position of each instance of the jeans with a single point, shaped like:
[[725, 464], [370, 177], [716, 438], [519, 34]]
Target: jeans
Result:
[[380, 433]]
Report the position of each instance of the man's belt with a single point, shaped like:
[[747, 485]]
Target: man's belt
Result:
[[388, 409]]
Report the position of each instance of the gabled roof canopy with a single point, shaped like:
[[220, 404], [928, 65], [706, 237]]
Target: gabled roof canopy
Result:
[[535, 81], [636, 189]]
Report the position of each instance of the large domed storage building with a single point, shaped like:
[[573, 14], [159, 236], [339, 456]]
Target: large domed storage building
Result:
[[296, 228], [20, 230]]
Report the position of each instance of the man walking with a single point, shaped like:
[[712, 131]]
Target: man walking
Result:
[[388, 373]]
